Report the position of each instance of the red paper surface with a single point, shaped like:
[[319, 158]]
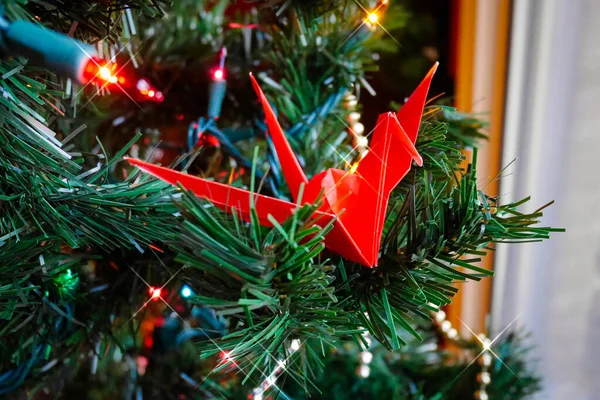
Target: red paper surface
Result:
[[359, 199]]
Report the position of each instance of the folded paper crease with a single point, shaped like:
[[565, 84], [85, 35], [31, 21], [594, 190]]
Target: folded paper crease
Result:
[[358, 200]]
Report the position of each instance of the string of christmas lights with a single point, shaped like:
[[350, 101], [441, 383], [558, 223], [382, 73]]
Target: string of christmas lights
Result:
[[485, 360], [271, 379], [359, 141], [73, 59], [365, 357]]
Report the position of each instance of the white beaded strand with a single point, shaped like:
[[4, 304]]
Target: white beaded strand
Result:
[[485, 360]]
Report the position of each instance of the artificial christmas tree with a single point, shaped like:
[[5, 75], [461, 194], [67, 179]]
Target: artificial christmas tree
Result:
[[114, 284]]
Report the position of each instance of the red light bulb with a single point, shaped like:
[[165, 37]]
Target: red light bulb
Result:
[[148, 342], [219, 74], [104, 74], [97, 69], [226, 358], [237, 25], [146, 89], [154, 292]]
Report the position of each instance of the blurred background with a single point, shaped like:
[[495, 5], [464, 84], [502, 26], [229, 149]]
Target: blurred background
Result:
[[530, 67]]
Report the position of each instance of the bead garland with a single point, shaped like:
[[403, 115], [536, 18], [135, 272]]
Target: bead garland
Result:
[[485, 361]]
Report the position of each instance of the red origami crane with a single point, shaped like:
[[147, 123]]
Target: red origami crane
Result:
[[358, 198]]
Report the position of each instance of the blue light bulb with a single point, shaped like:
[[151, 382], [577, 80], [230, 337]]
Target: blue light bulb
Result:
[[186, 291]]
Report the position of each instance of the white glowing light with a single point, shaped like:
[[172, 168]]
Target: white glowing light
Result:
[[353, 116], [281, 363], [440, 316], [142, 84], [358, 128], [295, 345], [446, 326], [271, 380], [486, 344], [364, 371], [481, 395], [485, 378], [486, 359], [362, 141], [373, 18], [366, 357]]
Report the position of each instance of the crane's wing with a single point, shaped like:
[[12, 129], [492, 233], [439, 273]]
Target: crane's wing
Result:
[[228, 197], [410, 113], [294, 175]]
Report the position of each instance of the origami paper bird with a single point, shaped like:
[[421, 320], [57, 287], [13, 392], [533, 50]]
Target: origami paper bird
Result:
[[357, 198]]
